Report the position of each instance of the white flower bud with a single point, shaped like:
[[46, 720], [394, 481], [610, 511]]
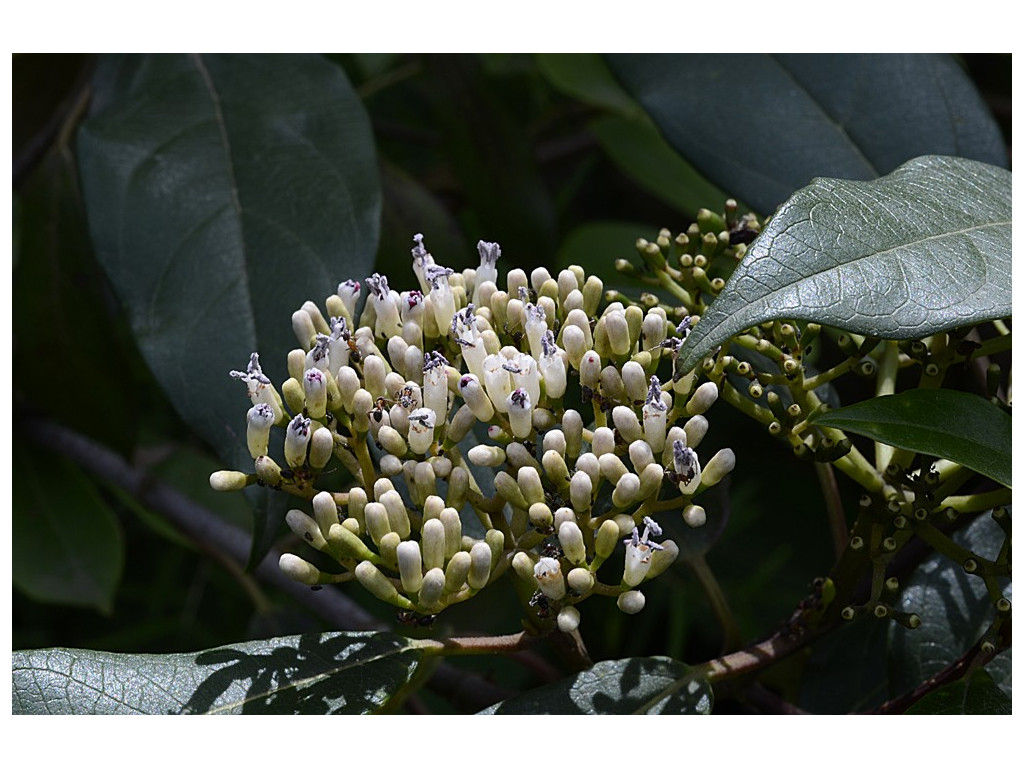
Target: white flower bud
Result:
[[432, 588], [590, 369], [567, 283], [520, 413], [591, 465], [571, 538], [696, 427], [568, 619], [390, 465], [548, 573], [479, 566], [640, 454], [654, 331], [650, 481], [305, 528], [325, 511], [572, 428], [721, 464], [516, 279], [563, 515], [618, 333], [410, 566], [230, 480], [575, 343], [374, 373], [635, 381], [703, 398], [321, 448], [604, 441], [631, 602], [580, 489], [398, 515], [555, 468], [397, 347], [627, 423], [530, 484], [421, 430], [432, 542], [302, 325], [554, 440], [694, 515], [297, 569], [377, 524], [540, 516], [295, 441], [522, 564], [357, 506], [259, 419], [486, 455]]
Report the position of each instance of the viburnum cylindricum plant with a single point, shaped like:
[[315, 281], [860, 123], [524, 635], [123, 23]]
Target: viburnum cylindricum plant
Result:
[[534, 385]]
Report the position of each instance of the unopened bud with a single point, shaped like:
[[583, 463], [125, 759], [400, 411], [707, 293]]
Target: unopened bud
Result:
[[297, 569], [230, 480], [703, 398], [568, 619], [606, 539], [305, 528], [548, 573], [571, 538], [721, 464], [694, 515], [631, 602], [321, 448], [377, 584], [410, 566], [479, 566]]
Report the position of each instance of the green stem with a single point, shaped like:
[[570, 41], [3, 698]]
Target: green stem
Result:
[[979, 502], [833, 507]]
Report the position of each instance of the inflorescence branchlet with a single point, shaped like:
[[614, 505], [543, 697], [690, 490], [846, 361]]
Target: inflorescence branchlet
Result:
[[573, 413]]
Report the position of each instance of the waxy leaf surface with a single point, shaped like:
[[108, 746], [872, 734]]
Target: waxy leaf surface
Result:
[[760, 126], [336, 673], [620, 687], [958, 426], [925, 249]]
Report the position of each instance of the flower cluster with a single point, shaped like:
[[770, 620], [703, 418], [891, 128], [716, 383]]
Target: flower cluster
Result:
[[573, 414]]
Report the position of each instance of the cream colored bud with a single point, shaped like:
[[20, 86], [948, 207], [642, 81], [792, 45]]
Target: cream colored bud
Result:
[[432, 543], [703, 398], [612, 468], [362, 404], [398, 515], [574, 341], [509, 489], [321, 448], [618, 333], [604, 441], [650, 481], [562, 515], [572, 428], [486, 455], [297, 569], [631, 602], [410, 566], [590, 369], [457, 572], [390, 465], [377, 525], [654, 331], [530, 484], [694, 516], [523, 564], [305, 528], [540, 516], [432, 588], [462, 422], [442, 466], [571, 538], [548, 573], [296, 363], [479, 566], [347, 543], [518, 456], [305, 331], [627, 490], [567, 283], [392, 441], [580, 581], [640, 454], [357, 505], [580, 489], [593, 292], [627, 423], [458, 487], [229, 480], [662, 558], [452, 531], [377, 584], [389, 548], [554, 440], [626, 524], [268, 471], [611, 383], [555, 468], [374, 373], [495, 539], [606, 539], [635, 381], [721, 464], [591, 465], [568, 619]]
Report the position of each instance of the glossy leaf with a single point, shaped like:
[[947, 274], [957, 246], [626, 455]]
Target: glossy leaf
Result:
[[66, 543], [585, 76], [335, 673], [222, 193], [958, 426], [954, 607], [761, 126], [621, 687], [924, 249], [977, 695]]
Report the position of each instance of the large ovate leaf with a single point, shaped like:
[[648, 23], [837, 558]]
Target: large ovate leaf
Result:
[[621, 687], [955, 609], [761, 126], [958, 426], [976, 695], [925, 249], [66, 543], [334, 673], [223, 192]]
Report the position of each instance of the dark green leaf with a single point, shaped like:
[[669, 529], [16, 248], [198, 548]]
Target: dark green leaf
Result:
[[958, 426], [335, 673], [597, 245], [977, 695], [924, 249], [621, 687], [954, 608], [638, 148], [66, 543], [223, 192], [761, 126], [585, 76], [847, 670]]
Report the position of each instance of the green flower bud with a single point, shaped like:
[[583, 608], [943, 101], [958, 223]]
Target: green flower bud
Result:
[[268, 471], [398, 515], [530, 484], [612, 467], [593, 292], [606, 539], [389, 548], [377, 524], [555, 469], [721, 464], [378, 585], [347, 544], [457, 572], [572, 429], [293, 395], [523, 564], [650, 481], [662, 558], [458, 487], [296, 364], [509, 489], [540, 516]]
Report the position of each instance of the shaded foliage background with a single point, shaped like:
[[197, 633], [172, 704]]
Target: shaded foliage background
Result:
[[547, 155]]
